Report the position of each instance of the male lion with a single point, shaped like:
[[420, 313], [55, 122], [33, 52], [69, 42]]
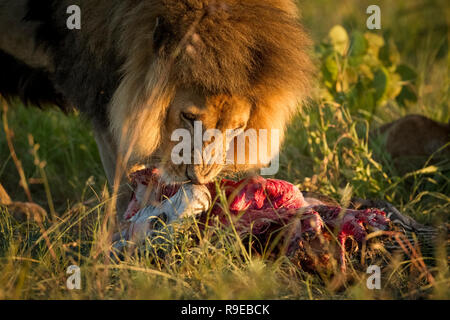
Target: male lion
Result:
[[139, 69]]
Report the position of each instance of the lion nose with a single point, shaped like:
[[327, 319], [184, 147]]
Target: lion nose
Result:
[[199, 180], [196, 177]]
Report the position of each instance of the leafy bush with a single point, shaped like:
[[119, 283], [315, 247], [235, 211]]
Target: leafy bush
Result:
[[364, 71]]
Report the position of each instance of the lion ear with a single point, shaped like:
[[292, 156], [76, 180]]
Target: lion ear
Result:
[[161, 33]]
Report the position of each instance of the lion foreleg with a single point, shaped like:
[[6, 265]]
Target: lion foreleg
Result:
[[109, 156]]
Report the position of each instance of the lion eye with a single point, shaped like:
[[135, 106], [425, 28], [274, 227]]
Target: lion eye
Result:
[[188, 116], [242, 126]]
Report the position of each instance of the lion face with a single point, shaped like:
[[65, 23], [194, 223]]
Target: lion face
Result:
[[200, 117], [226, 65]]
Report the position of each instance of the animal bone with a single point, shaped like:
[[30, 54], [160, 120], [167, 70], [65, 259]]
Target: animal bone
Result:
[[190, 200]]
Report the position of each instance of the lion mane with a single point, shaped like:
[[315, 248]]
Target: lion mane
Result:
[[253, 48]]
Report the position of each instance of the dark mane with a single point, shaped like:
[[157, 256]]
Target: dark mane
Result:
[[47, 33], [87, 79], [244, 45]]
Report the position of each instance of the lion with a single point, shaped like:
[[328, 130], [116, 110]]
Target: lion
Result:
[[138, 70]]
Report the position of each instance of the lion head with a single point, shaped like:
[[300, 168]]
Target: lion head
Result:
[[233, 65]]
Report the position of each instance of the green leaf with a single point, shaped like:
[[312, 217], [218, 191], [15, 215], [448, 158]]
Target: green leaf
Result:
[[389, 54], [380, 83], [358, 45], [394, 86], [406, 72], [375, 42], [355, 61], [407, 94], [330, 69], [339, 39]]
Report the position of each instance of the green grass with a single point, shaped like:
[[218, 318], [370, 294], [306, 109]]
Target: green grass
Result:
[[326, 150]]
